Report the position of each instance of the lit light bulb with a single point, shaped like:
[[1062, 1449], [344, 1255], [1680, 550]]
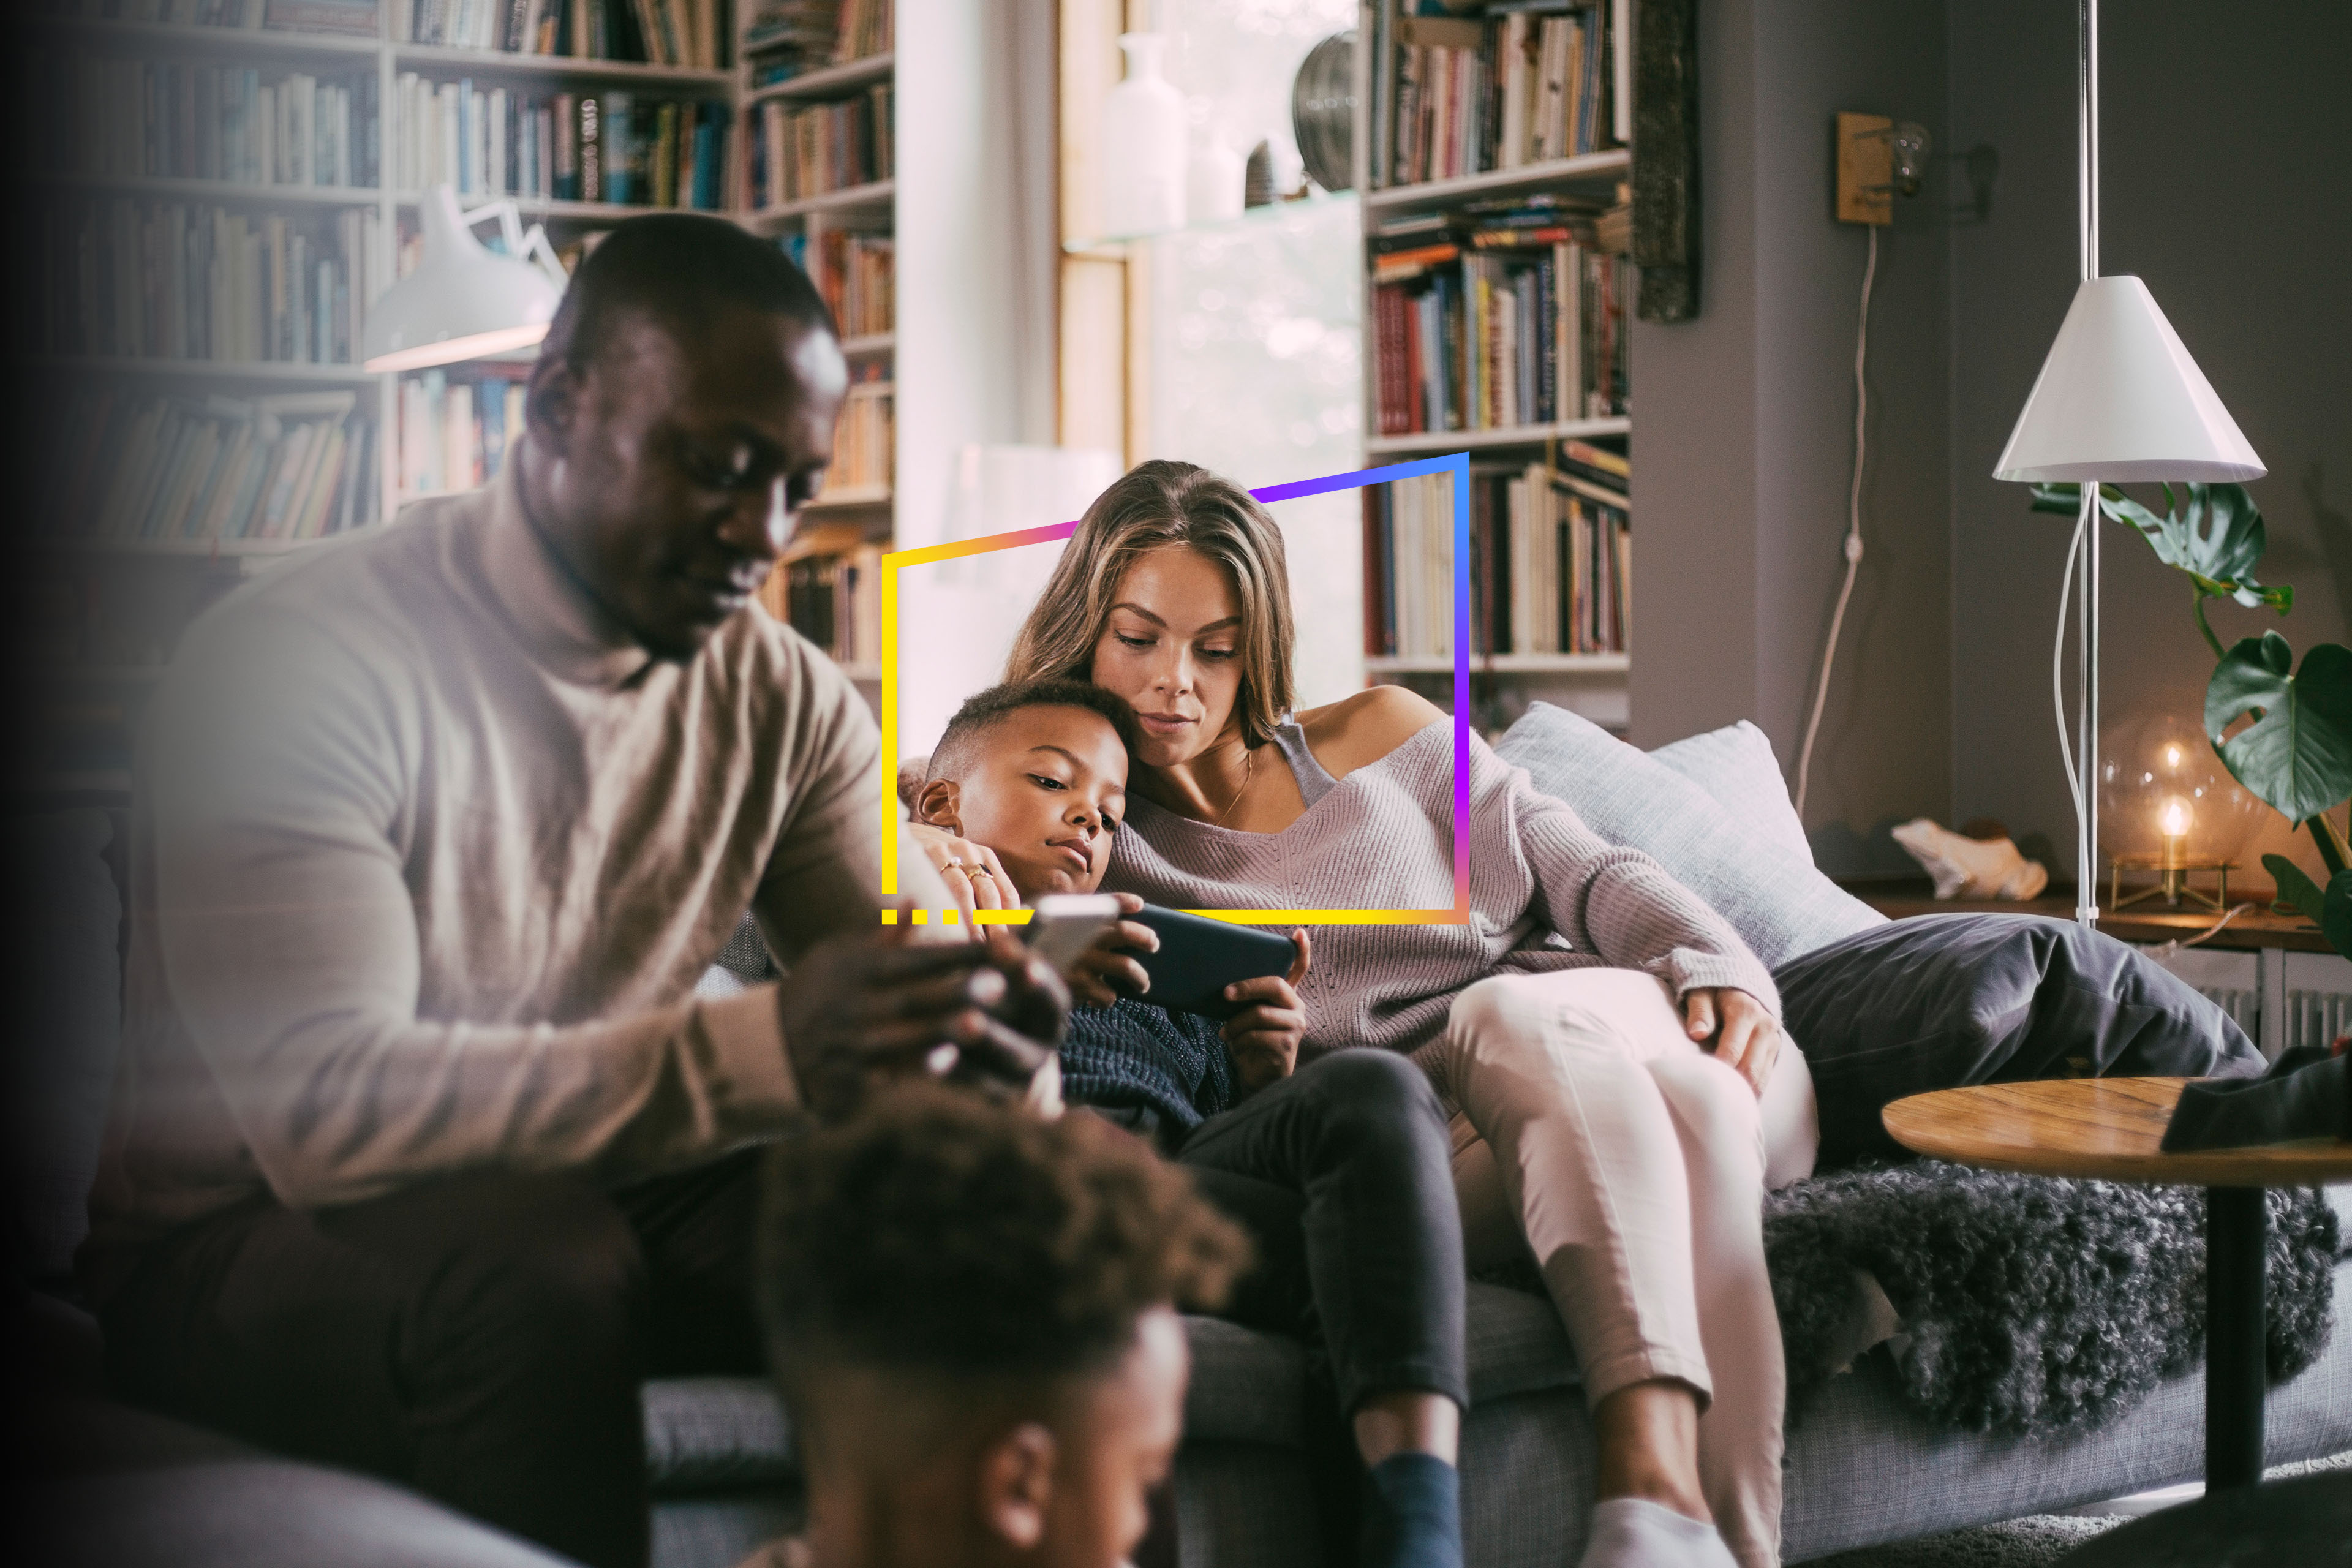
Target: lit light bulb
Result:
[[2171, 756], [2173, 817]]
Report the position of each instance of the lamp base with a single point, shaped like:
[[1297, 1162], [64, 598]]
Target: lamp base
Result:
[[2172, 881]]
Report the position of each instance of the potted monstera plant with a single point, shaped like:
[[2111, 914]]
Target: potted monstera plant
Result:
[[2296, 754]]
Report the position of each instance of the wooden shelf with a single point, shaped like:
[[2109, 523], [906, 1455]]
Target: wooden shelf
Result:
[[1427, 442], [832, 82], [873, 345], [1505, 664], [250, 373], [562, 211], [1112, 247], [856, 198], [860, 498], [225, 192], [1600, 170], [863, 674], [241, 42], [203, 549], [439, 61]]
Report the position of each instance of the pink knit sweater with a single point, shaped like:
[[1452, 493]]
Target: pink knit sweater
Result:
[[1546, 892]]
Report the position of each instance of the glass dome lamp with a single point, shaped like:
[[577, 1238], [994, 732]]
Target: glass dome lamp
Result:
[[2166, 806]]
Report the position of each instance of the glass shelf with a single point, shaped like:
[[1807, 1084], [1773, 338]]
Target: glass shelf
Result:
[[1113, 248]]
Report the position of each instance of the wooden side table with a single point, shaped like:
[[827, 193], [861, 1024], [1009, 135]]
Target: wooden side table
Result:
[[2109, 1129]]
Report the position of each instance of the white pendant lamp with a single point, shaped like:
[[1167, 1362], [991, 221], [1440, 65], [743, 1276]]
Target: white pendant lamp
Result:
[[2118, 400], [463, 301]]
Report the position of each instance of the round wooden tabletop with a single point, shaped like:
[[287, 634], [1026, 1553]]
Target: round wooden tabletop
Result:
[[2107, 1128]]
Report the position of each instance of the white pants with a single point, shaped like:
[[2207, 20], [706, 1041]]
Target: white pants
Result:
[[1592, 1131]]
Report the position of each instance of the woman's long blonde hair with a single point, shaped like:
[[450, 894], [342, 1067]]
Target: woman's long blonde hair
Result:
[[1156, 504]]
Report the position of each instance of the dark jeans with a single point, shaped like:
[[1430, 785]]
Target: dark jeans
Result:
[[1342, 1173], [481, 1338]]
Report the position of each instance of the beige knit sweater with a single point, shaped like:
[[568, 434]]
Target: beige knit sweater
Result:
[[1546, 892]]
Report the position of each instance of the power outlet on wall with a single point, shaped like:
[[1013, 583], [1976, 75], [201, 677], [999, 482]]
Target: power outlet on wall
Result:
[[1865, 169]]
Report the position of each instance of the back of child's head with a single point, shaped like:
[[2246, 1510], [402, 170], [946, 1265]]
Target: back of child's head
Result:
[[960, 743], [959, 1242]]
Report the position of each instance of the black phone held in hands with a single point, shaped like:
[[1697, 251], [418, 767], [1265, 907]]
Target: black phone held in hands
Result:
[[1199, 957]]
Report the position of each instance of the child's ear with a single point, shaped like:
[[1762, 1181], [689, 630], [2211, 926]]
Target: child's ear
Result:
[[939, 803], [1016, 1485]]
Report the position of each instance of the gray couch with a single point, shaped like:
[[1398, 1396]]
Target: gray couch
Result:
[[1861, 1467]]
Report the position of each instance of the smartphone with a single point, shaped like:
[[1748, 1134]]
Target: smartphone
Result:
[[1064, 925], [1199, 957]]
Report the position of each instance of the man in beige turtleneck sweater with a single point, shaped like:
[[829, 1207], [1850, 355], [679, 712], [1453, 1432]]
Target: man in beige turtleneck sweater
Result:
[[423, 1152]]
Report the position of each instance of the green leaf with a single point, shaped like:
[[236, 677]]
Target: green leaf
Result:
[[2297, 755], [2213, 533], [2336, 914], [2294, 887]]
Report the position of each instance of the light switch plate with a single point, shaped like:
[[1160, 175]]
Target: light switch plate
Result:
[[1865, 169]]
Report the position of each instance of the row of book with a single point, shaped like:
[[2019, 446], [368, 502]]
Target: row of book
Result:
[[113, 117], [864, 437], [162, 468], [613, 147], [1528, 83], [168, 280], [1492, 322], [790, 36], [350, 18], [453, 434], [832, 594], [856, 273], [798, 152], [656, 32], [1550, 565]]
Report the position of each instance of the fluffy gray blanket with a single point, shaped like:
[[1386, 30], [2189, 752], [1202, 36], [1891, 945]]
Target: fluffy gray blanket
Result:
[[2033, 1305]]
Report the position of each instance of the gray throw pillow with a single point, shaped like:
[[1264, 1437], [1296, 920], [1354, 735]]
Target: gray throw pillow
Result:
[[1780, 906], [1939, 1001], [1736, 766]]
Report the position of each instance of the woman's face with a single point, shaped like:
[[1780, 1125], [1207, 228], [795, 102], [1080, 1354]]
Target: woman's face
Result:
[[1172, 648]]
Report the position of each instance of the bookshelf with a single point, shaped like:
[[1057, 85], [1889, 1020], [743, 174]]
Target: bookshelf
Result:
[[118, 596], [1491, 161]]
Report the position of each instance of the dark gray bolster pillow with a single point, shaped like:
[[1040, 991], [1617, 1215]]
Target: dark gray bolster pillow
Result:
[[1939, 1001]]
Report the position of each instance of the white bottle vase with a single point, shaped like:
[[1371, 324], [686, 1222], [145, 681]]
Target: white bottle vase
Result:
[[1143, 144], [1214, 180]]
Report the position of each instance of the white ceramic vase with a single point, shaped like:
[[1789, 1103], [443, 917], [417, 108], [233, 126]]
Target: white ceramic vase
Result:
[[1143, 144], [1212, 181]]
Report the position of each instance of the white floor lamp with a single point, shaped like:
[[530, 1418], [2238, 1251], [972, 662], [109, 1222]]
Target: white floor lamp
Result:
[[2118, 400]]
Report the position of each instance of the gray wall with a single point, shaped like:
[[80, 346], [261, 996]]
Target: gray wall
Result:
[[2227, 135], [2227, 139], [1746, 424]]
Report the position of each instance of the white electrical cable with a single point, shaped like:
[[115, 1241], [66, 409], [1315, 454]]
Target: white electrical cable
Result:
[[1852, 527], [2058, 662]]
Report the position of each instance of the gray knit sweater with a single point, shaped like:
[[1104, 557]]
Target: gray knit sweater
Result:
[[1546, 892]]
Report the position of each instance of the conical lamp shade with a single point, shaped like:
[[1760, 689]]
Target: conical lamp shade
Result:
[[2119, 399], [462, 301]]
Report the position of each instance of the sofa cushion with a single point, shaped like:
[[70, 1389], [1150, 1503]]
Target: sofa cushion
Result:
[[711, 1433], [1780, 906], [1736, 766]]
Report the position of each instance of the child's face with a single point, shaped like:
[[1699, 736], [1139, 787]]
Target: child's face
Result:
[[1046, 789], [1118, 1443]]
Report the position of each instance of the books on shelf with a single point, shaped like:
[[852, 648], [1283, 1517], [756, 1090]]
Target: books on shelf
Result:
[[829, 589], [349, 19], [651, 32], [1526, 84], [807, 151], [856, 275], [619, 147], [1550, 564], [165, 280], [118, 118], [1498, 320], [794, 37], [147, 471], [862, 438], [454, 434]]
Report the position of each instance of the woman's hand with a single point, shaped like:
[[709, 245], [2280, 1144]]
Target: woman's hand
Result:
[[1263, 1037], [1103, 973], [975, 878], [1739, 1030]]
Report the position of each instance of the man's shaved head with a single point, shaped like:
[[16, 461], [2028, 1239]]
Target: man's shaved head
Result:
[[686, 270]]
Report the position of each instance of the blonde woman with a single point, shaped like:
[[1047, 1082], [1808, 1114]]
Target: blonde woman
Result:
[[1607, 1046]]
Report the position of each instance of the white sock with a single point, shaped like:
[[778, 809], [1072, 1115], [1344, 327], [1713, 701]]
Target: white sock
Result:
[[1634, 1532]]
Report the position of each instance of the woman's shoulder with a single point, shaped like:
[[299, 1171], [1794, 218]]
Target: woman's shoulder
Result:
[[1361, 729]]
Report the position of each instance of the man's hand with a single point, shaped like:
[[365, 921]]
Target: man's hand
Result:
[[858, 1008], [1104, 972], [1738, 1028], [1263, 1037]]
